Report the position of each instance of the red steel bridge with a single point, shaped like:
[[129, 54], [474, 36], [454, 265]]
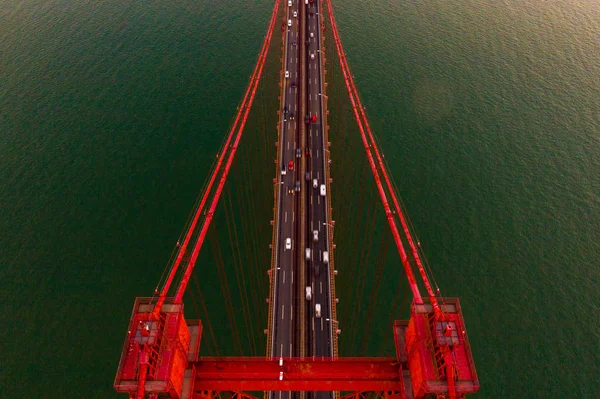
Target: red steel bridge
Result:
[[432, 354]]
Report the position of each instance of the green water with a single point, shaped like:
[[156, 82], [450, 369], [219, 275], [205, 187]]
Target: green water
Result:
[[488, 112]]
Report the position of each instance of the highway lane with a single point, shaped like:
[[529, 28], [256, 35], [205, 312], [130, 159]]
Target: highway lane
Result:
[[318, 215], [285, 274]]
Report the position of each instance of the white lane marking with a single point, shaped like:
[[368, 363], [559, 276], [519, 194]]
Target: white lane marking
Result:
[[288, 145], [285, 219], [318, 177], [319, 222], [292, 278], [291, 313], [319, 200], [311, 222], [321, 286], [293, 216], [290, 349], [317, 153], [281, 354], [321, 324], [283, 276], [311, 200], [313, 323], [282, 312]]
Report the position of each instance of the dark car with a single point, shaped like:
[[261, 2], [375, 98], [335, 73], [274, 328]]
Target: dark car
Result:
[[317, 270], [290, 190], [293, 85], [298, 153], [285, 109], [297, 186], [307, 119], [307, 176], [307, 152], [291, 116], [294, 43]]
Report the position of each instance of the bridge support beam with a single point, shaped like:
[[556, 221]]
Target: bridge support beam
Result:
[[298, 374]]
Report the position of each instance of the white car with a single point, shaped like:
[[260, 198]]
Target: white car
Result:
[[308, 293], [287, 74], [289, 3], [312, 56], [315, 183], [289, 22], [312, 34], [315, 235], [295, 14], [288, 243], [318, 310]]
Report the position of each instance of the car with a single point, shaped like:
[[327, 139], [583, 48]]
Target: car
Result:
[[288, 243], [290, 190], [307, 119], [315, 235], [285, 109], [295, 14], [289, 22], [314, 118], [305, 1], [294, 43], [297, 186], [325, 257], [291, 165], [283, 171], [317, 272], [307, 176], [312, 56], [287, 74], [289, 3], [318, 310], [293, 85], [291, 116], [315, 183], [308, 293], [298, 153], [323, 190], [312, 34], [307, 252], [307, 152]]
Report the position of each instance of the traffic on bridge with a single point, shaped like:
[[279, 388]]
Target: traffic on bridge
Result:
[[160, 355]]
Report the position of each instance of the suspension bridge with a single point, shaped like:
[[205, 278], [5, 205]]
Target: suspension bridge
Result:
[[432, 356]]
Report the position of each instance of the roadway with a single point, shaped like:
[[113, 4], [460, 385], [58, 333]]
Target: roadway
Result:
[[286, 320], [286, 268], [318, 218]]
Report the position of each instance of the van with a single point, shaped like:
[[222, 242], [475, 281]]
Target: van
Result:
[[323, 190], [308, 293], [318, 310], [325, 257], [307, 253]]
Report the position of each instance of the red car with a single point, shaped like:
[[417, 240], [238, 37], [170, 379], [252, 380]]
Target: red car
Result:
[[291, 165], [314, 118]]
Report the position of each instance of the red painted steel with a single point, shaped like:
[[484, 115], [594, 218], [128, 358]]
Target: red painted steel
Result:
[[299, 374], [209, 215], [255, 77], [390, 216]]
